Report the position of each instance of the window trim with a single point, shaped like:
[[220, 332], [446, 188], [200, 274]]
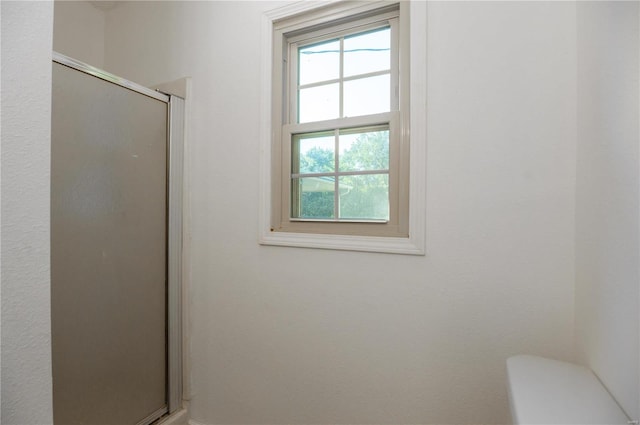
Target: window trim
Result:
[[415, 243]]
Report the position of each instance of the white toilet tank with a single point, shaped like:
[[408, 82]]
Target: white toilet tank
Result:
[[545, 391]]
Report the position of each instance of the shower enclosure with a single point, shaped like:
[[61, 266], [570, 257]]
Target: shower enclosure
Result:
[[116, 201]]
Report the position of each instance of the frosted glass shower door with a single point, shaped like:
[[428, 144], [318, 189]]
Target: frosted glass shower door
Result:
[[109, 252]]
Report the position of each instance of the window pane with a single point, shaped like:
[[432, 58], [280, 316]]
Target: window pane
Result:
[[364, 197], [312, 197], [368, 52], [320, 62], [319, 103], [366, 96], [361, 151], [313, 153]]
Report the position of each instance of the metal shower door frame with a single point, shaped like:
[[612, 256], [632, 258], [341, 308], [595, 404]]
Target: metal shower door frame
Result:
[[175, 153]]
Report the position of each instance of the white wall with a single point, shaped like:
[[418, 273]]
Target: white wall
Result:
[[284, 335], [26, 112], [608, 198], [79, 31]]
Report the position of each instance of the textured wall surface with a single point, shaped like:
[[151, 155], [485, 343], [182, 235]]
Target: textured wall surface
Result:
[[26, 111], [608, 197], [284, 335]]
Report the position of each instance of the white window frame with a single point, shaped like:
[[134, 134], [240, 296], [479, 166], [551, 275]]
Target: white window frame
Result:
[[412, 240]]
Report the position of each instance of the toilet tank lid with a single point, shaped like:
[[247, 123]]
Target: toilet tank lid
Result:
[[545, 391]]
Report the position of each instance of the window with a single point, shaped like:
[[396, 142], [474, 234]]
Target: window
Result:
[[339, 114]]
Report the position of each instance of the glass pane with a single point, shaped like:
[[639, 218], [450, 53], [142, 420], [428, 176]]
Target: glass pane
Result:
[[368, 52], [319, 103], [360, 151], [108, 251], [364, 197], [320, 62], [313, 153], [312, 197], [366, 96]]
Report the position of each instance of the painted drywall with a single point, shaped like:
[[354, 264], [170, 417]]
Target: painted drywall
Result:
[[607, 197], [294, 335], [79, 31], [284, 335], [26, 112]]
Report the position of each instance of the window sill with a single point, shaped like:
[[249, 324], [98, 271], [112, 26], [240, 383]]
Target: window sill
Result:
[[344, 242]]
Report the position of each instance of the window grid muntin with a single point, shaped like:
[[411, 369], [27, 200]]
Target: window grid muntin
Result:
[[341, 84], [345, 79]]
